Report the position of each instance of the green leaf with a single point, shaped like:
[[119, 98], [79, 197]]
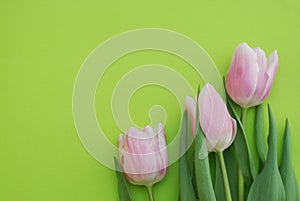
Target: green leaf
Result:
[[123, 190], [260, 133], [232, 171], [193, 171], [241, 145], [286, 168], [203, 177], [268, 184], [212, 166], [186, 189], [191, 159]]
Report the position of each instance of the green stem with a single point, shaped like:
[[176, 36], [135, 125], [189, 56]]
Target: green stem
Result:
[[225, 177], [241, 183], [243, 116], [150, 193]]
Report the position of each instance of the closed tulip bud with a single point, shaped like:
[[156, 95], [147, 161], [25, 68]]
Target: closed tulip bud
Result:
[[251, 75], [218, 126], [143, 155]]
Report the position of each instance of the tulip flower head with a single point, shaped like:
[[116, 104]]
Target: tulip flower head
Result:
[[218, 126], [143, 155], [251, 75]]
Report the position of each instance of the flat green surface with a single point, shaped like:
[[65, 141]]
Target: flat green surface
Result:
[[43, 44]]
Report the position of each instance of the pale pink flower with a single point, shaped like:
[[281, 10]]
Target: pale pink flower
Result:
[[143, 155], [251, 75], [218, 126]]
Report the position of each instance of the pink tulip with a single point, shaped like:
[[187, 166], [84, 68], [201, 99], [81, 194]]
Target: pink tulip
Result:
[[143, 155], [218, 126], [251, 75]]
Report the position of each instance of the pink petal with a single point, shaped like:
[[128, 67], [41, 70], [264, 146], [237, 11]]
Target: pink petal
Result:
[[120, 141], [261, 78], [133, 132], [272, 66], [212, 114], [190, 105], [162, 162], [228, 134], [241, 78], [144, 155], [148, 132], [161, 137], [261, 58]]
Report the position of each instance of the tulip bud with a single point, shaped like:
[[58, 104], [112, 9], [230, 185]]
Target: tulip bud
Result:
[[218, 126], [143, 155], [251, 75]]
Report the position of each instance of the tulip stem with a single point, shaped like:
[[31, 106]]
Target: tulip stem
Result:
[[241, 183], [241, 186], [243, 116], [150, 193], [224, 177]]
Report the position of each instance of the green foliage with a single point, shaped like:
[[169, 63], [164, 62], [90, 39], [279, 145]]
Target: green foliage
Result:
[[260, 133], [241, 145], [123, 190], [212, 166], [200, 176], [231, 167], [203, 177], [286, 168], [186, 189], [268, 184]]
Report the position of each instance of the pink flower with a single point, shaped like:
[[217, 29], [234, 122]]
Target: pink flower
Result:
[[218, 126], [251, 75], [143, 155]]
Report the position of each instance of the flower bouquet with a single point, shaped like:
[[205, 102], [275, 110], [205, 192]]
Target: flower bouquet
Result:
[[217, 161]]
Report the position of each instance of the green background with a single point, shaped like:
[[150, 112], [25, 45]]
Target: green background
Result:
[[42, 45]]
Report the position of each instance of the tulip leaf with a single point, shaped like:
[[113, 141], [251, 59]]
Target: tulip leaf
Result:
[[212, 166], [268, 184], [232, 171], [286, 168], [191, 159], [123, 190], [186, 189], [231, 167], [260, 133], [203, 177], [241, 145], [193, 171]]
